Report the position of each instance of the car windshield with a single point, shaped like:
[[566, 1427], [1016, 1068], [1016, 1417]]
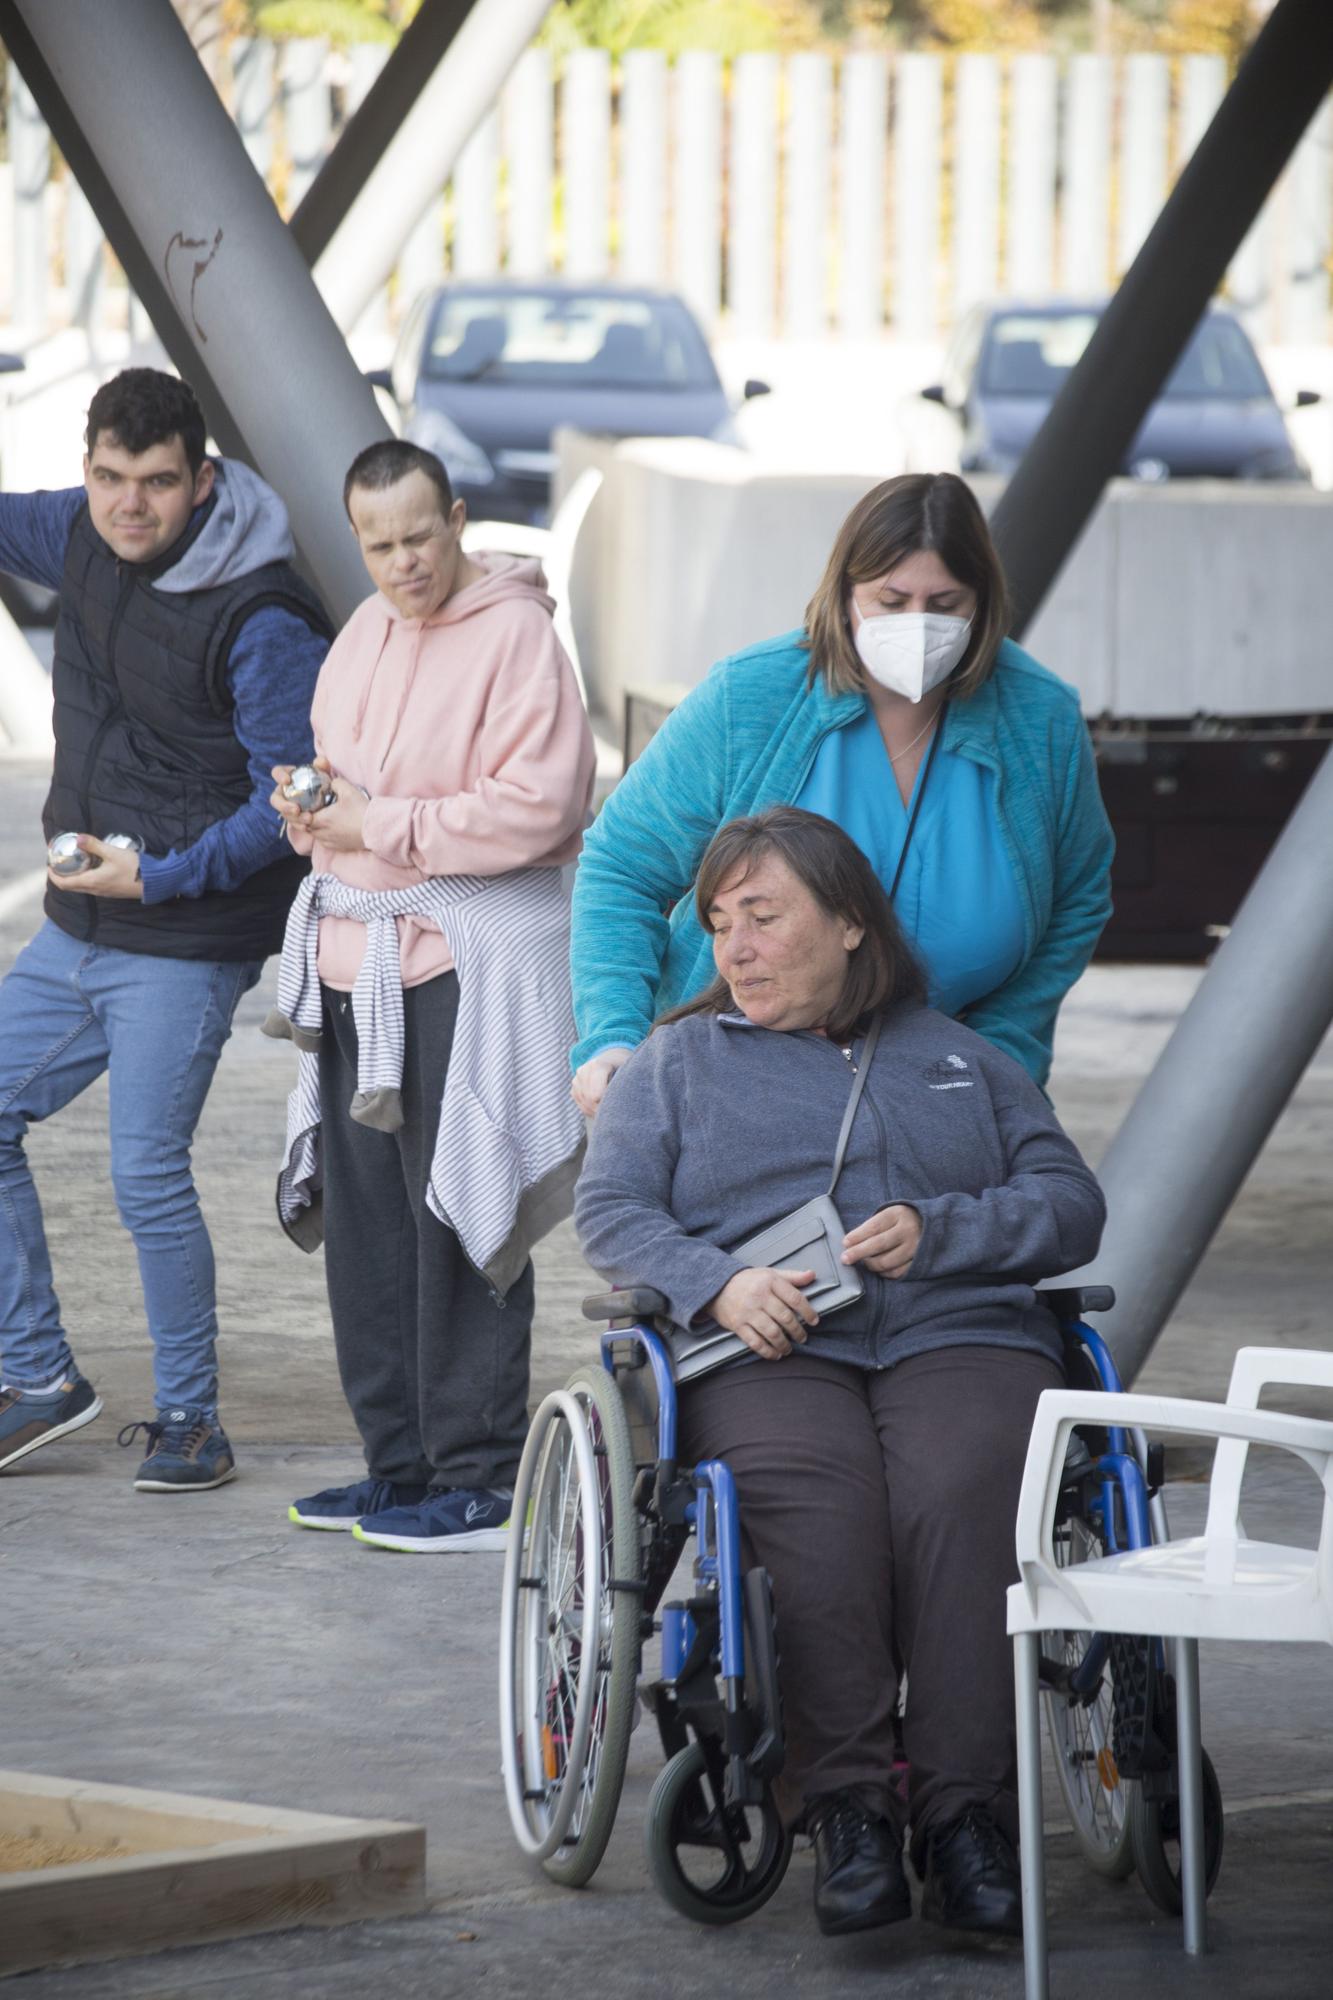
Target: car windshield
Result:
[[1030, 354], [585, 341]]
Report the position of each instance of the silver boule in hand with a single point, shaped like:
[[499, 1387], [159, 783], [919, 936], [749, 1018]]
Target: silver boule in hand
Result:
[[307, 789], [130, 842], [64, 856]]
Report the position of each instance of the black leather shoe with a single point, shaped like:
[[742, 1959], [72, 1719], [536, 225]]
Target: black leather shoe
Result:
[[859, 1877], [972, 1879]]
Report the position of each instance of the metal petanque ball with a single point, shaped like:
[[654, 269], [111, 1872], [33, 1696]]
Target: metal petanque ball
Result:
[[64, 856], [129, 841], [306, 788]]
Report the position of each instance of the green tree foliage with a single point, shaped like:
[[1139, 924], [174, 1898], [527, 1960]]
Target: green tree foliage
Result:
[[731, 27], [727, 27], [338, 21], [734, 27]]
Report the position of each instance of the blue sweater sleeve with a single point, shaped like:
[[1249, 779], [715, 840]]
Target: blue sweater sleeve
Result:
[[34, 533], [274, 664], [640, 855], [622, 1205], [1019, 1017]]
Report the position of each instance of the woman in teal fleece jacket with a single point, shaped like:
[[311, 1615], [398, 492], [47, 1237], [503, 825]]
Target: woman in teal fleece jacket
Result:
[[1005, 873]]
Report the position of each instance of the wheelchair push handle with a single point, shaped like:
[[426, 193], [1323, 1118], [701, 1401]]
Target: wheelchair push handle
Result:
[[1076, 1301], [635, 1302]]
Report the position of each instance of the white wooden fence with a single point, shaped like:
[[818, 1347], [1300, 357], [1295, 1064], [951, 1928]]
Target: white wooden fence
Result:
[[797, 198]]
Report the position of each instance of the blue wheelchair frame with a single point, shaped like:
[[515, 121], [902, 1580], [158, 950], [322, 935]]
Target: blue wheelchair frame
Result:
[[701, 1501], [1121, 1513]]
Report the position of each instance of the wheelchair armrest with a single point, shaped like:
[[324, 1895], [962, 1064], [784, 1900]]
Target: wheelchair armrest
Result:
[[635, 1302], [1075, 1301]]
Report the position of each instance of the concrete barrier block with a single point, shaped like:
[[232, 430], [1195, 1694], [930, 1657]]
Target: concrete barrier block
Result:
[[1176, 600]]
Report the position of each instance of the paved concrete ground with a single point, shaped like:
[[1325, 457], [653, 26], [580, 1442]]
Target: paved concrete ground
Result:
[[200, 1644]]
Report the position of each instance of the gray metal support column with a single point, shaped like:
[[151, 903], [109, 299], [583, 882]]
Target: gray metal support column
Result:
[[1219, 1085], [204, 247], [1277, 91], [418, 159]]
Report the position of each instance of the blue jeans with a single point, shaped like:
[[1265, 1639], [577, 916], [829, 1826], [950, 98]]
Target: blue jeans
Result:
[[68, 1011]]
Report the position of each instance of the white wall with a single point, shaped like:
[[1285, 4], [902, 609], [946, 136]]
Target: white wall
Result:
[[1177, 600]]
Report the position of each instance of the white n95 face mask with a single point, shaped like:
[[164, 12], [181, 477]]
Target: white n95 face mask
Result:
[[910, 652]]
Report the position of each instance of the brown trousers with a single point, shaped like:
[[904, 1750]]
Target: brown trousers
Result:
[[883, 1506]]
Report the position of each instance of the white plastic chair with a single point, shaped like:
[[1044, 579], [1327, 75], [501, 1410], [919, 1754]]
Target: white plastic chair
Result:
[[1217, 1585]]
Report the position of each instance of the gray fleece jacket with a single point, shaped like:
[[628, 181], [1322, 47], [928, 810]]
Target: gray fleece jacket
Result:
[[715, 1128]]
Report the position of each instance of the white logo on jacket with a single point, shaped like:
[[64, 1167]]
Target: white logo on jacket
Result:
[[945, 1077]]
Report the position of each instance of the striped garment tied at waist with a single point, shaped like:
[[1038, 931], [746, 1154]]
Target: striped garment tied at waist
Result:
[[510, 1139]]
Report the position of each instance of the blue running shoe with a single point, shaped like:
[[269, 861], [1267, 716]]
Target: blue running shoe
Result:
[[28, 1421], [188, 1452], [341, 1507], [462, 1518]]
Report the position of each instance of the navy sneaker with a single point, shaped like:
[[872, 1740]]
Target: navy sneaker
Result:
[[450, 1517], [188, 1452], [28, 1421], [341, 1507]]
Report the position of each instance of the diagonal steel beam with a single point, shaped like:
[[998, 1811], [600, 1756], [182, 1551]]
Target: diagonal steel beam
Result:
[[1163, 295], [421, 49], [140, 269], [229, 291]]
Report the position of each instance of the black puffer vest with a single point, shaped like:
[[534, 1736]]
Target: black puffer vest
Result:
[[145, 744]]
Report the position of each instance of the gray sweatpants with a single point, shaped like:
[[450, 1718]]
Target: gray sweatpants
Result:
[[434, 1364], [883, 1506]]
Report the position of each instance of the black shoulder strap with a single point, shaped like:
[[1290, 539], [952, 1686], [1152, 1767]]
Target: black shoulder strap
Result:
[[916, 803], [863, 1071]]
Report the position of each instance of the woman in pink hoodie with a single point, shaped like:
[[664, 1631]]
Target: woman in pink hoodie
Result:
[[450, 721]]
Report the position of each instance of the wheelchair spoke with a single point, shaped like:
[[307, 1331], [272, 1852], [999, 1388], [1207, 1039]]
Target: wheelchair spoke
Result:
[[1080, 1725]]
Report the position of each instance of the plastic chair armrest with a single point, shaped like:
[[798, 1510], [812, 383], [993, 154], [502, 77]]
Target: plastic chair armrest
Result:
[[1059, 1410], [1255, 1368]]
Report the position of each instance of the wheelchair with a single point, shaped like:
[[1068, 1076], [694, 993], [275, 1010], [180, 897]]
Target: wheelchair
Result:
[[602, 1514]]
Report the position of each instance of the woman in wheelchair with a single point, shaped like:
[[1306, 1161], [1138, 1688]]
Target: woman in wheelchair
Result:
[[877, 1443]]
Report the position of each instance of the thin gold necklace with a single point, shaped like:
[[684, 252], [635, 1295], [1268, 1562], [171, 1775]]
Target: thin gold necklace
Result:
[[896, 756]]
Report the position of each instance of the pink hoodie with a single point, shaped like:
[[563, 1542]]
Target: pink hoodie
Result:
[[467, 730]]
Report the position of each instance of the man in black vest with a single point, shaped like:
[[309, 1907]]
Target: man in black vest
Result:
[[186, 653]]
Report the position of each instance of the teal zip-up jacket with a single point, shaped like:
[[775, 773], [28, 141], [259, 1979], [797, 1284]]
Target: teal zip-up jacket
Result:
[[745, 739]]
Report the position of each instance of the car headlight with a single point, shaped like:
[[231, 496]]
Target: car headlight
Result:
[[463, 460]]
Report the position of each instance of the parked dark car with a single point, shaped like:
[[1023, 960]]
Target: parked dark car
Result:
[[1217, 417], [485, 371]]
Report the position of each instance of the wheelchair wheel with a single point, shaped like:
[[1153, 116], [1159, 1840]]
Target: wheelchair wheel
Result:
[[712, 1862], [569, 1633], [1154, 1826], [576, 1859], [1097, 1799]]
